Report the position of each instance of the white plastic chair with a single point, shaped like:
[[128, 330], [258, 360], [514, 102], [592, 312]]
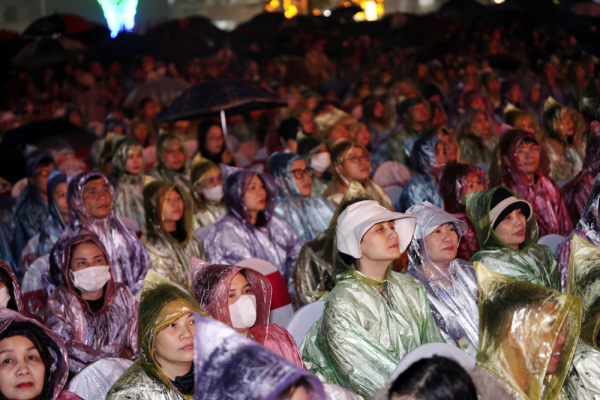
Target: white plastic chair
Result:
[[393, 191], [304, 318], [434, 349], [551, 241], [95, 380], [282, 311], [202, 233]]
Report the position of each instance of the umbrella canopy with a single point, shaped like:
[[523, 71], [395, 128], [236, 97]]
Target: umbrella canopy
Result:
[[586, 9], [64, 24], [196, 32], [43, 51], [210, 98], [162, 90]]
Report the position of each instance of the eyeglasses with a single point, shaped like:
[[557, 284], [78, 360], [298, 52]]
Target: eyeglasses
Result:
[[299, 173], [43, 173], [359, 159]]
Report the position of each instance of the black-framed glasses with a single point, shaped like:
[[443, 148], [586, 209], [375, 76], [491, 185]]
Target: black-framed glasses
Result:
[[299, 173], [354, 159]]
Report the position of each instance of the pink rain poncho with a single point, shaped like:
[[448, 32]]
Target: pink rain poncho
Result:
[[542, 192], [91, 335], [211, 289]]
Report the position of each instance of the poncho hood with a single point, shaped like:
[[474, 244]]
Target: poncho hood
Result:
[[199, 172], [78, 215], [16, 300], [123, 148], [553, 110], [281, 164], [422, 153], [512, 169], [230, 366], [452, 182], [588, 222], [54, 178], [160, 171]]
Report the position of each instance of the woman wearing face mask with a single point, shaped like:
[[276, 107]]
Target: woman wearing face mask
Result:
[[211, 144], [59, 212], [207, 190], [373, 316], [308, 215], [33, 360], [428, 158], [250, 229], [316, 154], [450, 282], [101, 318], [128, 165], [164, 369], [351, 162], [241, 298], [476, 137], [169, 237], [507, 232], [172, 158], [456, 181]]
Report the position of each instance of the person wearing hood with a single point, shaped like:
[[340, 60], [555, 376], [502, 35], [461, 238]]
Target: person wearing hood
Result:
[[577, 191], [59, 212], [351, 162], [241, 298], [230, 366], [128, 164], [520, 119], [308, 215], [316, 154], [10, 292], [456, 181], [171, 155], [211, 144], [451, 283], [169, 236], [476, 137], [96, 317], [164, 369], [33, 359], [524, 166], [587, 228], [564, 140], [335, 125], [507, 232], [373, 316], [415, 116], [90, 198], [428, 157], [207, 190], [528, 334], [250, 229]]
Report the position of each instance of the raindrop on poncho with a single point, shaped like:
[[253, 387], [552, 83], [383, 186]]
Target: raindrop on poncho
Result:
[[170, 257], [206, 212], [161, 172], [520, 323], [308, 215], [211, 289], [234, 238], [55, 223], [531, 263], [452, 292], [91, 335], [161, 304]]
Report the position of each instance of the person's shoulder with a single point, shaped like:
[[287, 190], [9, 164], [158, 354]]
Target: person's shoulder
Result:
[[406, 281]]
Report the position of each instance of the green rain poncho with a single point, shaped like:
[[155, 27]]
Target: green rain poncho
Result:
[[520, 326], [531, 263], [161, 304], [361, 337]]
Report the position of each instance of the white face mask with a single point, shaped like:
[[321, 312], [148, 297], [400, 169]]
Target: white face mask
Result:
[[4, 297], [321, 161], [91, 279], [243, 312], [214, 194]]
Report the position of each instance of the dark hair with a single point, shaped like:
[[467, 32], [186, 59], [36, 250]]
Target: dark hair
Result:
[[528, 139], [288, 129], [202, 131], [287, 392], [5, 277], [92, 178], [145, 101], [435, 378]]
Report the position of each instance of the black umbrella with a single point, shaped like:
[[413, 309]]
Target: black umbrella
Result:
[[44, 51]]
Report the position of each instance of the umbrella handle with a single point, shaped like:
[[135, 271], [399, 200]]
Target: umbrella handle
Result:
[[224, 124]]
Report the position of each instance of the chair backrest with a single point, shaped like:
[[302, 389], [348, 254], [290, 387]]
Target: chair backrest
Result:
[[202, 233], [434, 349], [304, 318], [551, 241], [95, 380]]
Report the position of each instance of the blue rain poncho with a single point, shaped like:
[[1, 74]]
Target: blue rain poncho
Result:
[[308, 215], [55, 223]]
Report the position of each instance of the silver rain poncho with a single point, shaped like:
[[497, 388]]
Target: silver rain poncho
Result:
[[206, 212], [452, 292]]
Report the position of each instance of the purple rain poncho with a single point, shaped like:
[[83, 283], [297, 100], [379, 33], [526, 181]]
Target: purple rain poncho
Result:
[[542, 193], [55, 223], [230, 366], [234, 238], [587, 228], [308, 215], [91, 335], [128, 256], [423, 185]]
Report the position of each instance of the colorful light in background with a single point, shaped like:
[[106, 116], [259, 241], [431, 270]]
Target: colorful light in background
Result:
[[372, 9], [119, 14]]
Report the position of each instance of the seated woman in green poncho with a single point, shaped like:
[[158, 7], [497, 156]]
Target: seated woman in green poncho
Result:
[[373, 316], [507, 233]]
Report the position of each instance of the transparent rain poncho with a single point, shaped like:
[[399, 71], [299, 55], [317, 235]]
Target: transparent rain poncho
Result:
[[170, 257], [161, 304], [520, 324], [229, 366], [475, 149], [308, 215], [55, 223], [532, 262], [452, 292], [161, 172], [16, 299], [542, 192], [91, 335], [362, 336], [206, 212], [211, 288]]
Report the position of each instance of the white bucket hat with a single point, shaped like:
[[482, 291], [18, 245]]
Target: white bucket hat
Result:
[[358, 218]]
